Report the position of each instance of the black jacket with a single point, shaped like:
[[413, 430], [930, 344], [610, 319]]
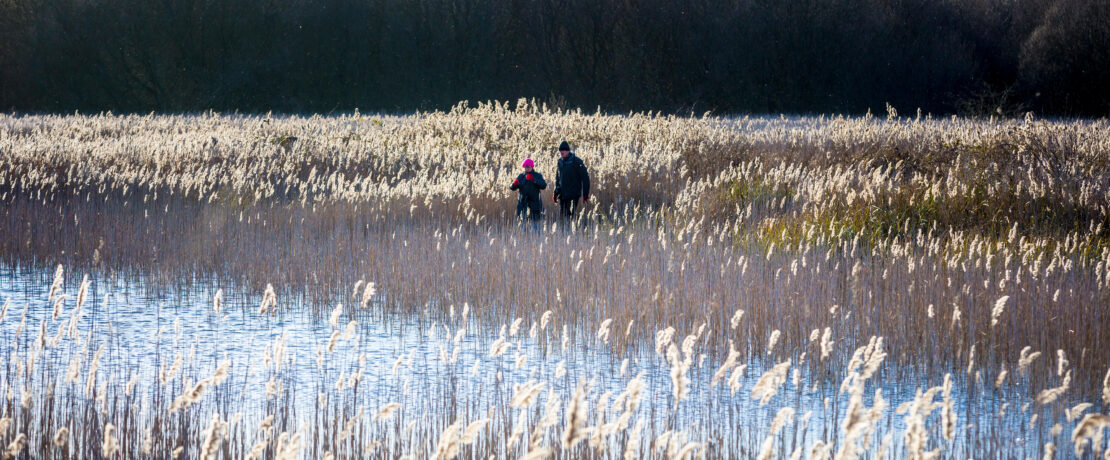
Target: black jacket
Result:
[[572, 180], [529, 193]]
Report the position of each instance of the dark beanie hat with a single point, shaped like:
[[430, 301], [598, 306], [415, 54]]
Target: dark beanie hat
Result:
[[564, 146]]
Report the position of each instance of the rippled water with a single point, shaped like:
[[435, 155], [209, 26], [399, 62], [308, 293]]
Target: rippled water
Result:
[[417, 361]]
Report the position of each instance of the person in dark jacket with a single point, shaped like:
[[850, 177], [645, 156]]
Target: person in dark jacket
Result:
[[528, 184], [572, 182]]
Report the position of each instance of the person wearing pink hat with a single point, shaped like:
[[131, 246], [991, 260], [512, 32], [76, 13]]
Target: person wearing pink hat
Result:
[[528, 184]]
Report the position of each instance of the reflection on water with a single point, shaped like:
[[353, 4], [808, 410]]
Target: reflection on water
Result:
[[439, 367]]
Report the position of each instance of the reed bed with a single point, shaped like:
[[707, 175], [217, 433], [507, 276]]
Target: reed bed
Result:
[[206, 374], [785, 284]]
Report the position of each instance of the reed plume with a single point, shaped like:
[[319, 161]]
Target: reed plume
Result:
[[189, 397], [767, 449], [368, 294], [110, 446], [603, 331], [730, 362], [679, 367], [56, 286], [769, 383], [735, 320], [576, 417], [826, 343], [820, 451], [334, 318], [782, 417], [1089, 430], [537, 454], [1049, 451], [61, 437], [1106, 388], [948, 415], [16, 446], [448, 445], [734, 379], [662, 339], [999, 307], [470, 434], [269, 300], [93, 367], [289, 447], [632, 443], [386, 411], [1075, 411], [218, 301], [525, 395], [212, 437], [1002, 373], [1027, 357], [772, 340], [1049, 395], [82, 293], [689, 450]]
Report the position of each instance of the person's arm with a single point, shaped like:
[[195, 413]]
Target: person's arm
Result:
[[537, 179], [585, 180], [558, 183], [516, 184]]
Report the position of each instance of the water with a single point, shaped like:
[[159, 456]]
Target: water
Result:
[[422, 361]]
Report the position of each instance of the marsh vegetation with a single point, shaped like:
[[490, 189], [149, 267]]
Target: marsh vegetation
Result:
[[333, 287]]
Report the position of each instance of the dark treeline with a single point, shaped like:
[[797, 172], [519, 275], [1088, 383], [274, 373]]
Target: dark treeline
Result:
[[729, 56]]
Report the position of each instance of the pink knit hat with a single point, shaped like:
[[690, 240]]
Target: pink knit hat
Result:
[[528, 163]]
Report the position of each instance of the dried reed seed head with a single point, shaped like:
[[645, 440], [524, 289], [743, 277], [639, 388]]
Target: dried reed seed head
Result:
[[110, 446], [61, 437], [769, 383], [386, 411], [16, 446]]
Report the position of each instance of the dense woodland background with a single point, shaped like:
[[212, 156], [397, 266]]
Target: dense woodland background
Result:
[[972, 57]]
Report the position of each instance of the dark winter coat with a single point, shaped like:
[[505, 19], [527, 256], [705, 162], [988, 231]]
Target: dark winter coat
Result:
[[572, 180], [529, 201]]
